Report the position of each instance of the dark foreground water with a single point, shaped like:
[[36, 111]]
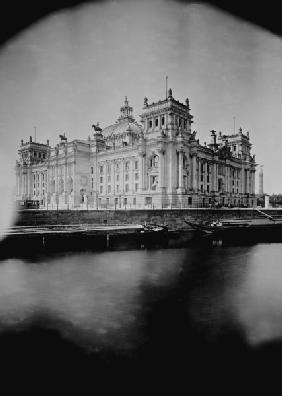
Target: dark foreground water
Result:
[[191, 315]]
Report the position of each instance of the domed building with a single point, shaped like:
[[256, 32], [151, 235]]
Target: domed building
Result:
[[157, 163]]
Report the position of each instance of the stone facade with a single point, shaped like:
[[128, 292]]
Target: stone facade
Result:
[[157, 163]]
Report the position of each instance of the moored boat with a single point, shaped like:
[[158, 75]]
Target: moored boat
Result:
[[239, 228]]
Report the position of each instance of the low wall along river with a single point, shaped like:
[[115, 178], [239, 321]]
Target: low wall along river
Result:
[[173, 218]]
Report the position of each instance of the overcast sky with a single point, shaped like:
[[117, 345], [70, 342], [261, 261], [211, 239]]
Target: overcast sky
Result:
[[75, 67]]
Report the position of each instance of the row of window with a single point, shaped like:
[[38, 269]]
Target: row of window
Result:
[[39, 155], [117, 167], [156, 123], [181, 122], [219, 188], [117, 202], [126, 177], [109, 188], [36, 193]]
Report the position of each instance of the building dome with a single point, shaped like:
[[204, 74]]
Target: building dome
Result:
[[125, 123]]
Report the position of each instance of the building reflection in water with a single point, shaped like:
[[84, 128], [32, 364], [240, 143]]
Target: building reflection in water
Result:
[[90, 298], [258, 300], [110, 300]]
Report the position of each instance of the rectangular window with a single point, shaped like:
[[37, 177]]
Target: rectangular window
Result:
[[163, 120], [136, 165], [126, 187], [150, 124], [127, 166], [109, 189], [101, 169], [101, 179], [136, 176], [148, 201], [92, 170], [156, 122], [117, 188], [109, 179], [126, 177], [208, 179], [117, 177], [125, 201], [108, 168], [202, 178], [101, 189], [208, 188], [108, 201], [92, 183], [189, 200], [100, 201], [201, 188], [136, 187]]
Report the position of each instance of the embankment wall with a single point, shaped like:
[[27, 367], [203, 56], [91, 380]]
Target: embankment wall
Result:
[[173, 218]]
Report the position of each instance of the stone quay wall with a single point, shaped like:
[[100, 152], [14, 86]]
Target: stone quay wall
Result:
[[173, 218]]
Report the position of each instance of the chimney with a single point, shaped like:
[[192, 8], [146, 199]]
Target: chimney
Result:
[[30, 139], [47, 142]]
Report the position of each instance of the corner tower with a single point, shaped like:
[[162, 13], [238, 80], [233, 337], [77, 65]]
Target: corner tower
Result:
[[169, 117]]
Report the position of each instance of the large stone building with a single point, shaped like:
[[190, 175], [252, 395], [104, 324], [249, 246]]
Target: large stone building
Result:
[[157, 163]]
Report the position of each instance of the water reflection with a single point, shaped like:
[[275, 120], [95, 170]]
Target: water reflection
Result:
[[120, 301], [238, 290], [258, 300], [92, 298]]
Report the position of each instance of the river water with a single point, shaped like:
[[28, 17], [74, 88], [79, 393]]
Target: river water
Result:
[[192, 309]]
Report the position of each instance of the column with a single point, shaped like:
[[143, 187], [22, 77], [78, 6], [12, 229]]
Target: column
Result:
[[74, 182], [243, 180], [161, 169], [205, 175], [122, 175], [56, 178], [47, 189], [65, 182], [172, 166], [141, 171], [194, 171], [214, 177], [180, 171], [40, 185], [199, 173], [29, 183], [180, 167], [248, 182]]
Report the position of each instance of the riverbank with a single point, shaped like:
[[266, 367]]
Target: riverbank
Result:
[[174, 219]]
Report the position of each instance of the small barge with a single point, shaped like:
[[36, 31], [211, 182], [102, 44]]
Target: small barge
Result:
[[248, 229], [61, 238]]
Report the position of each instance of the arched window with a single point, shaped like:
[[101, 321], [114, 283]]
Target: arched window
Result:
[[155, 160]]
